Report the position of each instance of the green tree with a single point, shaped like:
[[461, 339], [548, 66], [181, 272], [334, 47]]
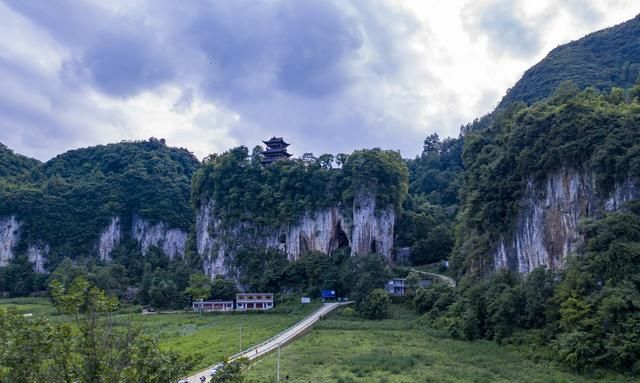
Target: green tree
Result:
[[376, 305], [365, 274], [93, 350], [199, 286], [230, 372], [223, 288]]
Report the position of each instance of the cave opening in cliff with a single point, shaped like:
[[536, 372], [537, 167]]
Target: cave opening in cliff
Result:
[[374, 246], [304, 244], [340, 239]]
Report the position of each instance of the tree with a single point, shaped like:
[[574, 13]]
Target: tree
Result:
[[413, 283], [92, 351], [163, 293], [224, 289], [199, 286], [230, 372], [376, 305], [366, 273]]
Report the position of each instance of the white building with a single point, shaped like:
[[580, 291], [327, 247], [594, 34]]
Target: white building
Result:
[[254, 301], [396, 286], [209, 306]]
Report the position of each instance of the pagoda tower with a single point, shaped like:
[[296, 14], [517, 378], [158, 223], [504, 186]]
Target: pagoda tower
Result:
[[276, 150]]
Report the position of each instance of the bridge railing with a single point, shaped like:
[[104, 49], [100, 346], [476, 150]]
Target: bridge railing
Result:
[[257, 346]]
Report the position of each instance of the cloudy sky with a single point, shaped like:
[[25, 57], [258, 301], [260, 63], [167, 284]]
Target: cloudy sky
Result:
[[329, 76]]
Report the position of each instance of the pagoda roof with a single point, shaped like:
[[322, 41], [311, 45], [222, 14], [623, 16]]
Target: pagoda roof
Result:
[[275, 151], [275, 140]]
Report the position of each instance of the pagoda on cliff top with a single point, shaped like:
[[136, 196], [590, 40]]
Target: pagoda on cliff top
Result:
[[276, 149]]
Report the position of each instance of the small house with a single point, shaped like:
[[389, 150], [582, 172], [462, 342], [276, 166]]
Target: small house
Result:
[[396, 286], [210, 306], [254, 301]]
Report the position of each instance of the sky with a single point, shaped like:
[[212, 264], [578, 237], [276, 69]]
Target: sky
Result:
[[329, 76]]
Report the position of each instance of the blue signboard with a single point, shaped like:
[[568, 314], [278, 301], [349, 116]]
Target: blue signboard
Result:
[[326, 294]]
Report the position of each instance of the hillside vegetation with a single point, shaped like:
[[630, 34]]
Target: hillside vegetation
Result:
[[242, 189], [13, 164], [604, 60], [68, 200], [587, 131]]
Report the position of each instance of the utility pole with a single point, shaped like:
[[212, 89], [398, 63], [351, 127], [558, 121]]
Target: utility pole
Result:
[[278, 366], [240, 337]]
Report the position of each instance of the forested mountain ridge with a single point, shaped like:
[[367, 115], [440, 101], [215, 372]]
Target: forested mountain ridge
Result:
[[82, 204], [605, 59], [13, 164], [297, 206]]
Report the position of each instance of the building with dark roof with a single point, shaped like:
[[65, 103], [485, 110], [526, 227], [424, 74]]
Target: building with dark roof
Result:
[[276, 150]]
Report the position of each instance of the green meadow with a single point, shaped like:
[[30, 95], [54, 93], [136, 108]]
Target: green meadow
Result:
[[400, 350], [206, 337], [341, 348]]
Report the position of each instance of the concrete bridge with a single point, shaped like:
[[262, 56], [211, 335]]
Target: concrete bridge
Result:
[[281, 339]]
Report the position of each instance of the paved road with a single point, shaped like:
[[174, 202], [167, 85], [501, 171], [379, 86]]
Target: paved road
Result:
[[448, 280], [281, 339]]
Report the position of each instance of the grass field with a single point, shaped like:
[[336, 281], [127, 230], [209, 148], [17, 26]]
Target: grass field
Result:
[[207, 337], [399, 350]]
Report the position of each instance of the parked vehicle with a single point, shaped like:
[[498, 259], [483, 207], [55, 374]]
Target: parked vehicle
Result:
[[216, 368]]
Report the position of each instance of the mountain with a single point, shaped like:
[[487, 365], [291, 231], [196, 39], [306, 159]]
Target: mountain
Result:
[[82, 204], [604, 59], [297, 206], [13, 164], [551, 155]]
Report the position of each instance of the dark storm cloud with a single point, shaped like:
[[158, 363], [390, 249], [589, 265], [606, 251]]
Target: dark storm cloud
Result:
[[327, 73], [122, 64], [506, 30], [301, 47], [313, 60]]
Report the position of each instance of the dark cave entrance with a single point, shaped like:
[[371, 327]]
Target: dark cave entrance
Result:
[[374, 246]]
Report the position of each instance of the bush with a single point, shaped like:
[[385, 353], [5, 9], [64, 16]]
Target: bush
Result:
[[376, 305]]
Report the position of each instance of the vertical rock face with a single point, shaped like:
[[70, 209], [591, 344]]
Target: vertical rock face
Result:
[[9, 236], [372, 233], [37, 255], [109, 239], [324, 230], [546, 229], [171, 241]]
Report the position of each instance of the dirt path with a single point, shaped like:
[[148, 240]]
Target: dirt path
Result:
[[448, 280]]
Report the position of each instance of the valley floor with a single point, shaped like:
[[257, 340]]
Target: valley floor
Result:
[[340, 348], [207, 338], [399, 350]]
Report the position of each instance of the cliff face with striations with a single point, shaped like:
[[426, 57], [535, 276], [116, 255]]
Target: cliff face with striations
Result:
[[365, 230], [9, 235], [546, 229], [171, 241]]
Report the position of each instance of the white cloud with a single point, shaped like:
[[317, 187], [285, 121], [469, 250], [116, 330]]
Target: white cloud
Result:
[[210, 75]]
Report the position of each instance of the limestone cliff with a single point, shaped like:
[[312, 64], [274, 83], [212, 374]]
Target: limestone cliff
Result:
[[9, 239], [9, 235], [37, 255], [171, 241], [109, 239], [365, 230], [546, 229]]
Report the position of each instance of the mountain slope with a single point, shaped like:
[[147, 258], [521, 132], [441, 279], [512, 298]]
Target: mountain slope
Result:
[[604, 59], [64, 207], [13, 164]]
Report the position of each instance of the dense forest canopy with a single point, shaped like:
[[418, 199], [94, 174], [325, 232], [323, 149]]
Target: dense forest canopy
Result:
[[242, 189], [67, 201], [604, 60], [586, 131], [13, 164]]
